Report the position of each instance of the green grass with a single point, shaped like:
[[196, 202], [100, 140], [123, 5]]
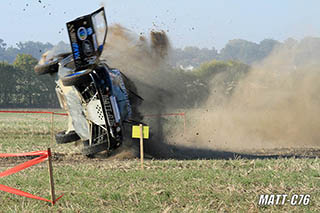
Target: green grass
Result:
[[29, 132], [163, 186]]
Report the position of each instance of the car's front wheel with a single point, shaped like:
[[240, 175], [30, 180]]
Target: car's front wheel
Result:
[[89, 151], [47, 68], [62, 137]]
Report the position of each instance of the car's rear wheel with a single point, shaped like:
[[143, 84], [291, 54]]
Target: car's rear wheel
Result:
[[89, 151], [76, 78], [62, 137]]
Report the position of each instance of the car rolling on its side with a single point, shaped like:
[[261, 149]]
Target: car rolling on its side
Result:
[[94, 95]]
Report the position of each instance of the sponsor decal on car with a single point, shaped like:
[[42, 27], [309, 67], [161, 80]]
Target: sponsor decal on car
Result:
[[108, 109], [76, 51], [82, 33], [89, 30]]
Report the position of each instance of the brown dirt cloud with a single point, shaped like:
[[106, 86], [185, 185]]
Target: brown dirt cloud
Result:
[[276, 105]]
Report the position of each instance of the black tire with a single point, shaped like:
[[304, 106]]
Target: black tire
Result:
[[89, 151], [47, 68], [62, 137], [76, 78]]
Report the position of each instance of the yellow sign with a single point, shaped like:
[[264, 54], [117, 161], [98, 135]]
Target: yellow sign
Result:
[[136, 132]]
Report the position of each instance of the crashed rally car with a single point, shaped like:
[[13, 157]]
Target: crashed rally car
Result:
[[94, 95]]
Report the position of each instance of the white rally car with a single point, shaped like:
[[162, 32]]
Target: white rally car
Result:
[[94, 95]]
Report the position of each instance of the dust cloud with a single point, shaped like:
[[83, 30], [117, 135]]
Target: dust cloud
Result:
[[275, 105], [143, 61]]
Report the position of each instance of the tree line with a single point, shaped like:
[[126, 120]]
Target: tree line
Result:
[[20, 87], [237, 50]]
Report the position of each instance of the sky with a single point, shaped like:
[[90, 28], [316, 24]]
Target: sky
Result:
[[202, 23]]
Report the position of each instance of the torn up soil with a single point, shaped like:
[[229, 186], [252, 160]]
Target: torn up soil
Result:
[[78, 158]]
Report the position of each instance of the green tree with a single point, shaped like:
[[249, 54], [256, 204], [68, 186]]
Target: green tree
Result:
[[36, 49], [33, 90], [266, 46], [25, 62], [2, 50], [193, 56], [240, 50], [7, 85]]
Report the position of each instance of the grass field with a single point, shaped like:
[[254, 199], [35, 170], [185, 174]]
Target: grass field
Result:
[[103, 185]]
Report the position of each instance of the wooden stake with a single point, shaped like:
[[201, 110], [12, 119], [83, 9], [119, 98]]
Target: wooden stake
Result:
[[184, 124], [141, 145], [53, 196], [52, 130]]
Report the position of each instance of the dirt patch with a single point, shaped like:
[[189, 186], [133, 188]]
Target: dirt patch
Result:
[[125, 154]]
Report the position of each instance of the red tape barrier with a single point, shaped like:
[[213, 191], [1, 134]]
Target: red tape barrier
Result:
[[43, 155], [4, 111], [36, 112]]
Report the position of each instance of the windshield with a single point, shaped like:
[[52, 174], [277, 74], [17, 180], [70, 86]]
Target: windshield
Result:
[[100, 26]]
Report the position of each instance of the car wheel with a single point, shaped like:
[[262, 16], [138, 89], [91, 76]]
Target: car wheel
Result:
[[62, 137], [47, 68], [89, 151], [76, 78]]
